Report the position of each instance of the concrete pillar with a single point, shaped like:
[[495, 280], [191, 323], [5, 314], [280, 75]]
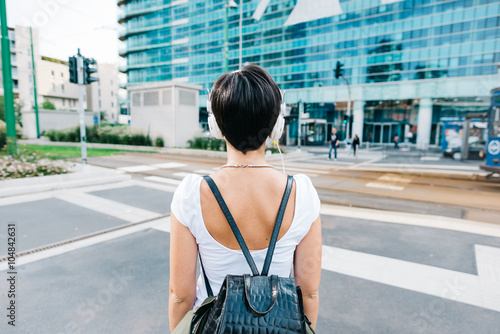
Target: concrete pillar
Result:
[[424, 123], [359, 116]]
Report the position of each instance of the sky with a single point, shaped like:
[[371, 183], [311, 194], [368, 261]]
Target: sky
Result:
[[66, 25]]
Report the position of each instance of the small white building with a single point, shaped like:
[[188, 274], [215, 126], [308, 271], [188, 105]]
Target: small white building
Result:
[[166, 109]]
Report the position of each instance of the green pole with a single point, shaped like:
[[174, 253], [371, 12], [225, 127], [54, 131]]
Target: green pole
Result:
[[10, 116], [34, 85], [226, 44]]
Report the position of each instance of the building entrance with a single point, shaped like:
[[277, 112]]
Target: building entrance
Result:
[[381, 132]]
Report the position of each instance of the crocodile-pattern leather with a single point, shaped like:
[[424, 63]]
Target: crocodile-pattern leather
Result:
[[231, 313]]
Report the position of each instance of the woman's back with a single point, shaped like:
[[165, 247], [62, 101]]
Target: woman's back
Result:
[[253, 198]]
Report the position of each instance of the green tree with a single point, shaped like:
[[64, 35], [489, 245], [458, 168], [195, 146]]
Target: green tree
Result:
[[48, 105]]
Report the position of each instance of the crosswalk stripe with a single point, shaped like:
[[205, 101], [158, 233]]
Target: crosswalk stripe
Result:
[[460, 287], [163, 180], [137, 169], [414, 219], [168, 165]]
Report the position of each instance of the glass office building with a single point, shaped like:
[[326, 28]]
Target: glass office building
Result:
[[408, 63]]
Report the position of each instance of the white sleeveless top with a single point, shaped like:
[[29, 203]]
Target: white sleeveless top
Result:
[[219, 260]]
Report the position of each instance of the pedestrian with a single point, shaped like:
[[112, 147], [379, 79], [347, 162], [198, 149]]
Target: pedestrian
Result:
[[355, 144], [245, 104], [334, 143], [396, 141], [348, 145]]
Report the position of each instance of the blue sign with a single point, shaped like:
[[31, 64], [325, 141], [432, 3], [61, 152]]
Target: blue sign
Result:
[[493, 152]]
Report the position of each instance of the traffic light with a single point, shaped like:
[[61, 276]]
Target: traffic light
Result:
[[89, 68], [73, 70], [345, 119], [339, 71]]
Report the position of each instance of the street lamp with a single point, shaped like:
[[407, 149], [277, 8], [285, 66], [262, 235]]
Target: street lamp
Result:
[[230, 4]]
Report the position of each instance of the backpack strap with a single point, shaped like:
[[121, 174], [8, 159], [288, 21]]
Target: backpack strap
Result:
[[233, 225], [277, 226], [207, 283]]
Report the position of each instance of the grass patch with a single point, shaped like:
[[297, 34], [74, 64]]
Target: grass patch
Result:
[[66, 152]]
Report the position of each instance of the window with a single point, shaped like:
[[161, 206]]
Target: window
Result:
[[53, 88], [112, 93], [63, 102], [62, 89]]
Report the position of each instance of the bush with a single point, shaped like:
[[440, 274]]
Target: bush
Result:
[[30, 165], [104, 134], [203, 143], [159, 142], [48, 105]]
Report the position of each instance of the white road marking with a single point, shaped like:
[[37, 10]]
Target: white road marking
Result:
[[434, 281], [162, 187], [163, 225], [366, 162], [137, 169], [163, 180], [26, 198], [106, 206], [430, 158], [384, 186], [167, 165], [390, 181], [100, 187], [414, 219], [160, 224]]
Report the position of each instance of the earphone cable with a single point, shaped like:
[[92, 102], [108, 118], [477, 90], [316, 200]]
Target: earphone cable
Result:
[[281, 155]]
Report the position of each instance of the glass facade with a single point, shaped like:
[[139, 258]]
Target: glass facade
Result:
[[400, 41]]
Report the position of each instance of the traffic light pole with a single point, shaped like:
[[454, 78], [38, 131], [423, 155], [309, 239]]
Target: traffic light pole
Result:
[[10, 116], [81, 108], [301, 110], [348, 128], [34, 85]]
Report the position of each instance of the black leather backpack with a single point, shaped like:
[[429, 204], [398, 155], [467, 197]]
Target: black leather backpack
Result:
[[255, 303]]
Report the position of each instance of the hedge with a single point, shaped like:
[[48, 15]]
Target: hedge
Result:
[[106, 135]]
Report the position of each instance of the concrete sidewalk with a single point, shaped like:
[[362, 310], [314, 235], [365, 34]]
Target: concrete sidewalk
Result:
[[80, 176]]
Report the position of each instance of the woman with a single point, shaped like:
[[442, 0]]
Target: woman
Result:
[[355, 144], [246, 105]]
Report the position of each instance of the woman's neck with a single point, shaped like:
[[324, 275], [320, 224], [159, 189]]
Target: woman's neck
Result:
[[236, 157]]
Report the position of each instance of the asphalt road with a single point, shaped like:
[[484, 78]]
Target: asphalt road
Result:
[[97, 257]]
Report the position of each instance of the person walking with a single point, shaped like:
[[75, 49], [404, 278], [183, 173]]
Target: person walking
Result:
[[334, 143], [396, 141], [355, 144], [245, 109]]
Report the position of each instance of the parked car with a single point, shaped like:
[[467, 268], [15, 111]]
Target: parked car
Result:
[[477, 151]]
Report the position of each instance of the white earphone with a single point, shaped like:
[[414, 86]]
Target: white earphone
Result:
[[275, 134]]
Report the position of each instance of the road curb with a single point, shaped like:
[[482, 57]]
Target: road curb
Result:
[[81, 176]]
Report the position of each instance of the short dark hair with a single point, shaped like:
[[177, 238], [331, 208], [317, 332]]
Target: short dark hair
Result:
[[246, 105]]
